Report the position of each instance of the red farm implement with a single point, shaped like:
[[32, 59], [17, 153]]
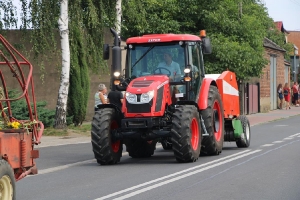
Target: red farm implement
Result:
[[17, 136]]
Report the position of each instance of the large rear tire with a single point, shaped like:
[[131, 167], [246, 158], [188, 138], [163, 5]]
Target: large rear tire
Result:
[[106, 150], [137, 148], [244, 141], [186, 135], [7, 181], [213, 117]]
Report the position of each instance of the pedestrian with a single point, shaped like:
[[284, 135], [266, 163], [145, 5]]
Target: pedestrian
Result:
[[287, 94], [115, 97], [100, 96], [280, 95], [295, 93]]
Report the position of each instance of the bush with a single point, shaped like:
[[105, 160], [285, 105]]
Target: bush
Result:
[[20, 110]]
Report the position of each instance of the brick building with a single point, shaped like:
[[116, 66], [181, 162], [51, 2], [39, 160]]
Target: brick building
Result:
[[294, 37], [277, 71]]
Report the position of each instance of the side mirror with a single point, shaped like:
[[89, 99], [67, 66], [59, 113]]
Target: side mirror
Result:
[[105, 52], [206, 46]]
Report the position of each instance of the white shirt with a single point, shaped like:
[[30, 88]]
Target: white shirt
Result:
[[98, 100], [173, 67]]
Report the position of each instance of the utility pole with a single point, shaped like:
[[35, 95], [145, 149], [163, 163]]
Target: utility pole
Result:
[[295, 64]]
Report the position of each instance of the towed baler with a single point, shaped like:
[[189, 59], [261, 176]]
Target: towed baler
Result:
[[187, 111], [17, 136]]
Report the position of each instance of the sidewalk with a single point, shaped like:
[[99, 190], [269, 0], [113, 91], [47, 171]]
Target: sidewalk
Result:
[[255, 119], [260, 118]]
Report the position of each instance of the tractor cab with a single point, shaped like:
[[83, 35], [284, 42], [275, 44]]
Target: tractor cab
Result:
[[177, 56], [179, 61]]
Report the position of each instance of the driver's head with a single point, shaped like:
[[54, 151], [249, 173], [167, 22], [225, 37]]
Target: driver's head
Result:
[[167, 57]]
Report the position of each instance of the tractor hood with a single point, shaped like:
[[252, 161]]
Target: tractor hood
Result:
[[147, 83], [147, 96]]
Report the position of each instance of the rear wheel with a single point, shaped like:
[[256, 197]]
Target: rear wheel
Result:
[[213, 117], [244, 141], [137, 148], [7, 181], [106, 150], [186, 136]]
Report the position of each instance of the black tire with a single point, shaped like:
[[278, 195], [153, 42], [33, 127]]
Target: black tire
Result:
[[213, 117], [7, 181], [186, 134], [166, 144], [105, 150], [137, 148], [244, 141]]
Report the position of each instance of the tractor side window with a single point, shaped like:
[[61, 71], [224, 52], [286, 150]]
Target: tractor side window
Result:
[[195, 63]]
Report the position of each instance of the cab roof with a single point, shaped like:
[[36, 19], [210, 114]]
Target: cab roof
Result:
[[154, 38]]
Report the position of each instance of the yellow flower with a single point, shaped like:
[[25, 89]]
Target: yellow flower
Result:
[[15, 125]]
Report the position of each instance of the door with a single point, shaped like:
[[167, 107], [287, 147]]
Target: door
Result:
[[273, 85]]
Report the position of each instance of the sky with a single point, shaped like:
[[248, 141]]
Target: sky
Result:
[[287, 11]]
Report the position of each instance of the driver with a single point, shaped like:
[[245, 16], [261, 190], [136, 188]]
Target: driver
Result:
[[168, 66]]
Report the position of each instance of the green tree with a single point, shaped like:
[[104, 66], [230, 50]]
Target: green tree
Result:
[[87, 20], [236, 28]]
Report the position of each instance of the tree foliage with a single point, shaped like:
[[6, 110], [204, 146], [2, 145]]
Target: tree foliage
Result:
[[87, 20], [236, 28]]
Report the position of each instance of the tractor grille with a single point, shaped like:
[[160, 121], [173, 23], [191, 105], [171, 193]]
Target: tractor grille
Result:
[[139, 84], [139, 108]]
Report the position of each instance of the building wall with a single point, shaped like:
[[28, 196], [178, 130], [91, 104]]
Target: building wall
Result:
[[265, 104], [46, 88]]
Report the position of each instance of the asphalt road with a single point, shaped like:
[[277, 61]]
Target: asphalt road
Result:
[[267, 170]]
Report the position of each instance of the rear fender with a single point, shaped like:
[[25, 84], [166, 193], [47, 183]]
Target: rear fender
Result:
[[203, 95]]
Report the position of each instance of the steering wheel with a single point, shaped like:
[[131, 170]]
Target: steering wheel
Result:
[[160, 71]]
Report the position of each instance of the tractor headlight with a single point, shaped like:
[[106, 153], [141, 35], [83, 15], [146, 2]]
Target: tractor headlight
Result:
[[146, 97], [131, 98]]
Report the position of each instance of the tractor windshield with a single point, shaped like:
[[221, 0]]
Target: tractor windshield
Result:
[[149, 59]]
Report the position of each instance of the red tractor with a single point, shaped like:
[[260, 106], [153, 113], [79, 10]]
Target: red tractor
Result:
[[168, 99], [17, 136]]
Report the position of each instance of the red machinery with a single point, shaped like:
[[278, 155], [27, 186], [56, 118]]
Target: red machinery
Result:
[[17, 136], [168, 99]]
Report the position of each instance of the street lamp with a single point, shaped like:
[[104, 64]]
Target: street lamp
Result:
[[295, 67]]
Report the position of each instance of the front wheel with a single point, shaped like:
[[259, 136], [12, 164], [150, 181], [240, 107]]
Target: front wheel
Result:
[[7, 181], [244, 140], [186, 135], [106, 150]]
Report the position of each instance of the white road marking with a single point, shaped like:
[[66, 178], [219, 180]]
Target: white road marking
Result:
[[194, 170], [267, 145], [281, 125], [54, 169], [59, 144], [288, 138], [275, 142]]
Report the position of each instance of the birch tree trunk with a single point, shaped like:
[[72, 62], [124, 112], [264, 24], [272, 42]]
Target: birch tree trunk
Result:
[[118, 16], [61, 106]]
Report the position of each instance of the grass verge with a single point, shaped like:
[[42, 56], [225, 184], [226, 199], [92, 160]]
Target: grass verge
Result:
[[83, 130]]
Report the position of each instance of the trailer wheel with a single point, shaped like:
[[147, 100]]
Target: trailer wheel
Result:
[[7, 181], [137, 148], [244, 141], [106, 150], [213, 117], [186, 135]]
